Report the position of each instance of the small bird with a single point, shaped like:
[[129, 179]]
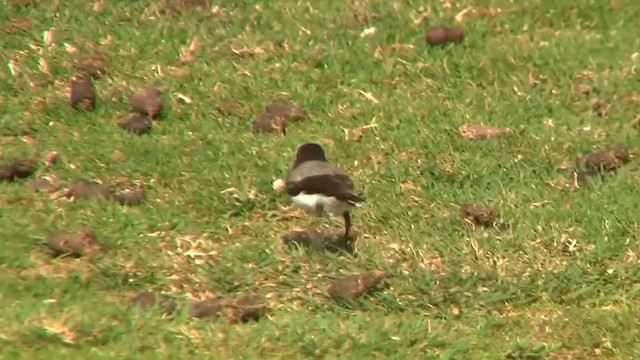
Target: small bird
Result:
[[319, 188]]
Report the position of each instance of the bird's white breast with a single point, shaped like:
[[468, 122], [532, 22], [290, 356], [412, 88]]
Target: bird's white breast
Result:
[[320, 205]]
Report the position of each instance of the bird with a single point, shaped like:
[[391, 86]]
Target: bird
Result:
[[320, 188]]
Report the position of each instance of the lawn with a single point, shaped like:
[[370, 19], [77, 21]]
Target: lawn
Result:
[[558, 279]]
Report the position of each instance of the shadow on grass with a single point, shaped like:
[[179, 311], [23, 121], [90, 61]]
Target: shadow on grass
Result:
[[333, 243]]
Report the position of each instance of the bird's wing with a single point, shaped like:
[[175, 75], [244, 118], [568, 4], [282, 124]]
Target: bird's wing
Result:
[[335, 185], [313, 168]]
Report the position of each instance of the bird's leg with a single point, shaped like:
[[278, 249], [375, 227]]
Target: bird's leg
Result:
[[319, 209], [347, 224]]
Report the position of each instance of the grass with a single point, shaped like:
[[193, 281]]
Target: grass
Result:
[[560, 283]]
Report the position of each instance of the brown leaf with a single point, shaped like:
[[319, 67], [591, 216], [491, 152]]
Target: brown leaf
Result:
[[59, 330], [446, 163], [531, 79], [327, 142], [81, 243], [247, 52], [188, 57], [195, 46], [632, 99], [403, 48], [98, 7], [582, 89], [455, 310], [477, 12], [118, 156], [601, 108], [480, 131], [190, 54], [231, 107], [409, 186], [357, 133], [179, 72], [178, 6]]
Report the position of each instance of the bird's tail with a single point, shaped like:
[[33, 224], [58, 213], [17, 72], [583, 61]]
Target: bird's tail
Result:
[[355, 200]]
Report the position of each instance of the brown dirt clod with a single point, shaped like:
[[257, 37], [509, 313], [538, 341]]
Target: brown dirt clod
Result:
[[94, 66], [77, 244], [136, 124], [436, 35], [82, 94], [276, 116], [268, 122], [210, 308], [23, 168], [17, 169], [147, 300], [289, 112], [239, 309], [133, 197], [455, 34], [441, 35], [147, 102], [87, 189], [478, 214], [7, 173], [354, 286], [607, 160]]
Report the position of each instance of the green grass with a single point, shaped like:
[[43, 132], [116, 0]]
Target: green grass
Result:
[[453, 293]]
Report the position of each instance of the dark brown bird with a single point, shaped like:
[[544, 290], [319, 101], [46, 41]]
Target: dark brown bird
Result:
[[319, 188]]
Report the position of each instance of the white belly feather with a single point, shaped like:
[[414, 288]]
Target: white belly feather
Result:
[[320, 205]]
